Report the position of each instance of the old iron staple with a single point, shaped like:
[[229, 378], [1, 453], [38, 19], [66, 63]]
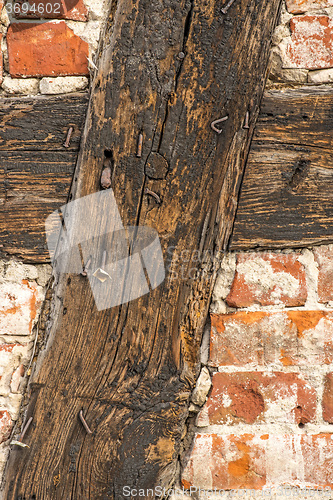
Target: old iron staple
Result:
[[216, 122], [26, 427], [139, 149], [19, 442], [68, 138], [157, 198], [227, 7], [247, 119], [86, 267], [84, 423]]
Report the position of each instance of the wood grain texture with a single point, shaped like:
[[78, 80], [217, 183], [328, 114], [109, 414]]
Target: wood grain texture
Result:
[[41, 123], [35, 169], [132, 368], [286, 195]]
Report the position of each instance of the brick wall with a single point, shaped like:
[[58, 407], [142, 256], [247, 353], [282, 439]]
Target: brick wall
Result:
[[303, 43], [51, 48], [266, 420], [22, 292]]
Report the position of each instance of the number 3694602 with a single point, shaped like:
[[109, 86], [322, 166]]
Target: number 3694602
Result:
[[33, 8]]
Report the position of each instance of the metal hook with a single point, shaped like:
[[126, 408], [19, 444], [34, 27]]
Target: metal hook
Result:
[[216, 122]]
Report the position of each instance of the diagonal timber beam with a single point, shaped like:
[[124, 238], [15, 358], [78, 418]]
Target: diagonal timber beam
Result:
[[167, 70]]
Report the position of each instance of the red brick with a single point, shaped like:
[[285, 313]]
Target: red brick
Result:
[[327, 402], [256, 397], [6, 425], [324, 258], [268, 279], [311, 44], [301, 6], [47, 49], [8, 348], [255, 461], [282, 338], [49, 9]]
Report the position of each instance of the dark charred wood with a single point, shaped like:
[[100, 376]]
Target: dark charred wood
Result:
[[132, 368], [35, 168]]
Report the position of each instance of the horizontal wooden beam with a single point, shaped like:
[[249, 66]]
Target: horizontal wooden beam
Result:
[[286, 194], [35, 168], [285, 198]]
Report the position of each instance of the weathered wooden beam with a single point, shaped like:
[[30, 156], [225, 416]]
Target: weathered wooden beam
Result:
[[294, 126], [40, 123], [286, 195], [168, 69], [36, 169]]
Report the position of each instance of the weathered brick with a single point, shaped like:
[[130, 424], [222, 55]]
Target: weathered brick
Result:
[[47, 49], [324, 258], [6, 425], [8, 348], [254, 461], [327, 401], [268, 279], [54, 9], [256, 397], [281, 338], [301, 6], [18, 308], [311, 44]]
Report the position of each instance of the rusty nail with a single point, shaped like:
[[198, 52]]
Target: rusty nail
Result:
[[86, 267], [247, 120], [26, 427], [106, 178], [157, 198], [84, 423], [68, 138], [214, 123], [139, 149], [227, 7]]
